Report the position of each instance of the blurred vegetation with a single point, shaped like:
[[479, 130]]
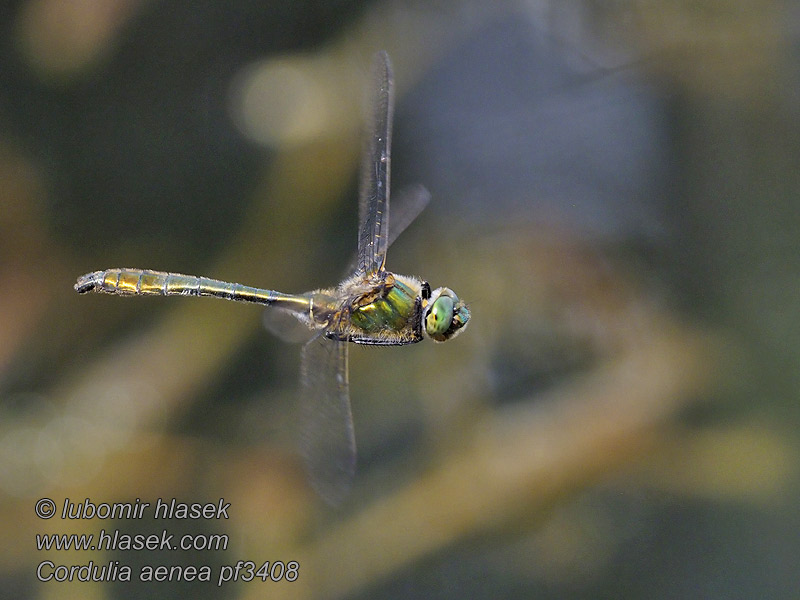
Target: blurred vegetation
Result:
[[615, 192]]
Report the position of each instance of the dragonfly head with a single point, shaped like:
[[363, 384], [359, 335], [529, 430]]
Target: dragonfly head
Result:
[[444, 315]]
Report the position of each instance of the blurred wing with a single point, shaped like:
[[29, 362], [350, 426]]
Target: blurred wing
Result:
[[409, 203], [285, 326], [327, 440], [373, 206]]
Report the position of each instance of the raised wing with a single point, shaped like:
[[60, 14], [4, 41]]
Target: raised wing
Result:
[[408, 205], [373, 206], [327, 440]]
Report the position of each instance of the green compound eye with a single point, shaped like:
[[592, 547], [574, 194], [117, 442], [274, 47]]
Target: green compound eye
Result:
[[439, 317]]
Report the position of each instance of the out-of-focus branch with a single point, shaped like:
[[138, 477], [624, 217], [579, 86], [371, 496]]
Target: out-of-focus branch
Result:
[[517, 463]]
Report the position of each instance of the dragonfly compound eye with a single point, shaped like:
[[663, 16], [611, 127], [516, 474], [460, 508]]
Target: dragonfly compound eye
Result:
[[445, 316], [439, 318]]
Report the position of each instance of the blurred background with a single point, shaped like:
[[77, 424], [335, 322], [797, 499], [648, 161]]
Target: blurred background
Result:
[[615, 192]]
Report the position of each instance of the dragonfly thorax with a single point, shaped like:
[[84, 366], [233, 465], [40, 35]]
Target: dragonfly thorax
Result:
[[384, 310], [388, 309]]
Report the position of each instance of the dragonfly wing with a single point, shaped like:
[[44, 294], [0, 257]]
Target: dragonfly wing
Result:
[[327, 439], [373, 212], [410, 202], [408, 205], [283, 324]]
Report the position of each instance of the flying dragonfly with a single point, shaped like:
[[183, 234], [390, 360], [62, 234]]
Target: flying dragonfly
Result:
[[372, 306]]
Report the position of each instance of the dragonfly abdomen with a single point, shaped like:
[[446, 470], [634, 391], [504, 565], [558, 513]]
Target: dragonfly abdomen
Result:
[[144, 282]]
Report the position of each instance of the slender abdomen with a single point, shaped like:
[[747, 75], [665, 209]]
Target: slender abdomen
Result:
[[143, 282]]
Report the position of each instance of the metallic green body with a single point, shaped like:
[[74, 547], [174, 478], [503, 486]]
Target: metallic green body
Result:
[[391, 311]]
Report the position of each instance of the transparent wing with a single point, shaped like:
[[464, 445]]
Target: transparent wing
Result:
[[409, 203], [284, 325], [327, 440], [373, 206]]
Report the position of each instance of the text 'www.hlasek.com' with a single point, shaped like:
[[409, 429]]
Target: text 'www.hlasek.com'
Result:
[[161, 539]]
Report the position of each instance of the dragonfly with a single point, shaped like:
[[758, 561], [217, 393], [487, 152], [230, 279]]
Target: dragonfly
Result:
[[372, 306]]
